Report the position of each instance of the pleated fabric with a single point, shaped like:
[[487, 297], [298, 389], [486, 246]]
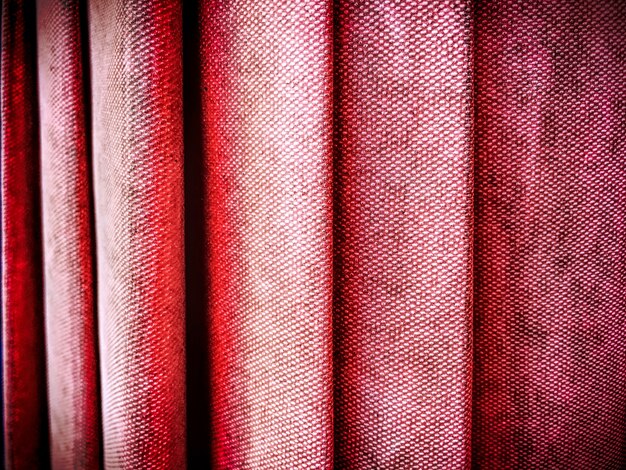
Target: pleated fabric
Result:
[[24, 394], [307, 235], [550, 333], [267, 114], [403, 234], [136, 59], [74, 409]]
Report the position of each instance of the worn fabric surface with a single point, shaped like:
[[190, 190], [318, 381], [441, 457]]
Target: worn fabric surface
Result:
[[267, 111], [550, 259], [136, 63], [73, 398], [313, 234], [24, 381], [403, 234]]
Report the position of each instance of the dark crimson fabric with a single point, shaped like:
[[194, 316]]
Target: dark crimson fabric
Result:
[[24, 393], [550, 260], [313, 234], [73, 397]]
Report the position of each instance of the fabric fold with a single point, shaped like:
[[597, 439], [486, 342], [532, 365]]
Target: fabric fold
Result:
[[550, 309], [74, 408], [24, 394], [267, 110], [403, 234], [136, 63], [313, 234]]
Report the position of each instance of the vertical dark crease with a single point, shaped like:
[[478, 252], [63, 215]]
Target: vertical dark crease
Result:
[[198, 393], [337, 216], [30, 51], [83, 16]]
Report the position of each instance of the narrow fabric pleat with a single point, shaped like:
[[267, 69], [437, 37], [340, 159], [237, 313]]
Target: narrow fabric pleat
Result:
[[24, 394], [267, 109], [73, 404], [136, 63], [403, 234], [550, 303]]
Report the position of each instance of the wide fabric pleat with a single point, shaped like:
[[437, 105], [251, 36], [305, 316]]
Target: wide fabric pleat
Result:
[[24, 393], [403, 234], [136, 63], [550, 303], [72, 371], [267, 113]]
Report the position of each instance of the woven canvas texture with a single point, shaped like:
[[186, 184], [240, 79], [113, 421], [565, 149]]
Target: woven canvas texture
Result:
[[403, 199], [135, 49], [267, 110], [73, 399], [313, 234], [550, 264], [24, 392]]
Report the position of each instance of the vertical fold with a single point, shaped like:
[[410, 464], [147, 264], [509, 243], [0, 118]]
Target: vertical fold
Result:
[[136, 81], [403, 234], [550, 309], [267, 110], [66, 208], [199, 423], [24, 394]]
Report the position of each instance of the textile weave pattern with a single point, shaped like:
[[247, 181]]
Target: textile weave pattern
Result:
[[24, 394], [135, 51], [73, 396], [267, 111], [313, 234], [550, 266], [403, 234]]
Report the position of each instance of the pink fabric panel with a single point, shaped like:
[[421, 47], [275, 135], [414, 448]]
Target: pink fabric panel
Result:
[[267, 108], [550, 309], [403, 234], [74, 409], [137, 139]]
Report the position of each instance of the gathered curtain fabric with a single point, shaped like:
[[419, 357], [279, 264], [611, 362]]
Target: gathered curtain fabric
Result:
[[313, 234]]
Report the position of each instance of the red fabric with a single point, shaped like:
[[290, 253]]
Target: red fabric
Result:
[[403, 231], [73, 399], [550, 261], [136, 65], [24, 394], [268, 130], [378, 234]]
